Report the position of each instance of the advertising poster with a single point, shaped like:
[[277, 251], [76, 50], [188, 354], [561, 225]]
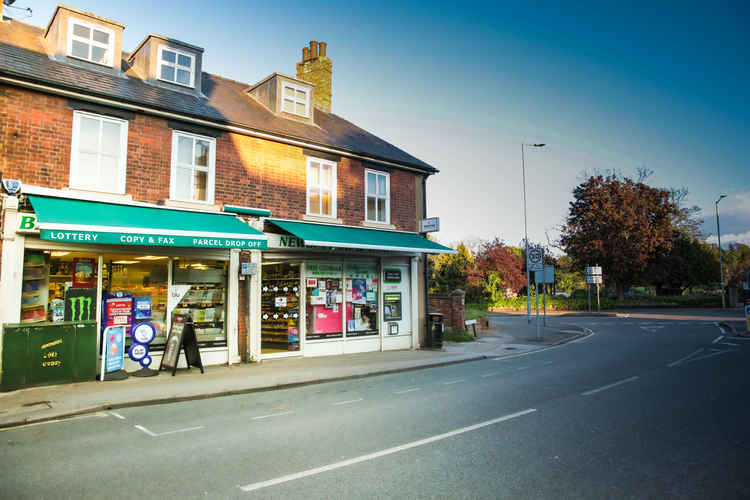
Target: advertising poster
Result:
[[118, 311], [83, 273], [113, 357], [143, 307]]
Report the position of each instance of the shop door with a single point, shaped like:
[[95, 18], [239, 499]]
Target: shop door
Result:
[[396, 300], [280, 310]]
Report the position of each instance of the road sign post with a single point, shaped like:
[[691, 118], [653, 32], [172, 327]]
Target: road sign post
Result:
[[593, 277], [534, 263]]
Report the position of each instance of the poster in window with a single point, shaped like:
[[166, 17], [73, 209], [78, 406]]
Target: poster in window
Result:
[[118, 311], [83, 272]]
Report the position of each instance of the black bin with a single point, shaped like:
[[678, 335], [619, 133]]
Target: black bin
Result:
[[436, 330]]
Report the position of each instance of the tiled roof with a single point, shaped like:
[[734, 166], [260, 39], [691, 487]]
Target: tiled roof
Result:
[[22, 56]]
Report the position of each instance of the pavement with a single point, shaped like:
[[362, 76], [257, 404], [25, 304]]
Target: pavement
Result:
[[46, 403]]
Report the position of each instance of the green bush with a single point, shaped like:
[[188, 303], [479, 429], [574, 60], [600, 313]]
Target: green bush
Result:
[[476, 310], [451, 335], [575, 303]]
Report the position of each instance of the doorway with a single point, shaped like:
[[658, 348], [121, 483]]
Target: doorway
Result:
[[280, 309]]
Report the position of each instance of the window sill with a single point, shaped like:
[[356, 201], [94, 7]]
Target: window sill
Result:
[[195, 205], [377, 225], [106, 195], [319, 218]]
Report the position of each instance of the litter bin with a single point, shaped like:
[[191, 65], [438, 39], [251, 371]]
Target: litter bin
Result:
[[436, 330]]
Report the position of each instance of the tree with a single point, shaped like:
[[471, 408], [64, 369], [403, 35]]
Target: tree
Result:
[[690, 263], [449, 271], [496, 268], [619, 224]]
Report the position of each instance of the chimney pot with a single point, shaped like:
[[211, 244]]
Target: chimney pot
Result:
[[322, 50], [313, 49], [305, 54]]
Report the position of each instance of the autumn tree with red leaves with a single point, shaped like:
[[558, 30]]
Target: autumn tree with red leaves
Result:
[[619, 224], [496, 269]]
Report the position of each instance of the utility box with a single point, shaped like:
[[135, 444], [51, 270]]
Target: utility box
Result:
[[48, 353]]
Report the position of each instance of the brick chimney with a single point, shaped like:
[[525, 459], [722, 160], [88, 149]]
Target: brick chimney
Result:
[[317, 69]]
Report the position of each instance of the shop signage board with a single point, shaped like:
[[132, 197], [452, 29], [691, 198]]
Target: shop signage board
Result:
[[429, 225], [27, 223], [535, 259], [113, 349], [248, 268], [143, 239], [181, 337], [391, 275], [284, 241], [143, 334], [119, 311]]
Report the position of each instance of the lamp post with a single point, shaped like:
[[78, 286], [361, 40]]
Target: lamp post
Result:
[[721, 265], [526, 229]]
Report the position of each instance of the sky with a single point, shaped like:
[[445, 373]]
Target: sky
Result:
[[605, 85]]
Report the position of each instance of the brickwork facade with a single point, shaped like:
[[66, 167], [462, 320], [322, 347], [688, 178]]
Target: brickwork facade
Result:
[[451, 307], [35, 142]]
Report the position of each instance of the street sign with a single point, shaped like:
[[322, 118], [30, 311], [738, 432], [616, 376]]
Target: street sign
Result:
[[549, 274], [430, 225], [593, 279], [535, 259], [594, 271]]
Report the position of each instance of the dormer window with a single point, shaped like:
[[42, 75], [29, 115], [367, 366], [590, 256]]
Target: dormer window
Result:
[[90, 42], [176, 66], [295, 99]]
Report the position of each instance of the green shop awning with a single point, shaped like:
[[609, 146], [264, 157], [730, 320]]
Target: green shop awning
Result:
[[328, 235], [93, 222]]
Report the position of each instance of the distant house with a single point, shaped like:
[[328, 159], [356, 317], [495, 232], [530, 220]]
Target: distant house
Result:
[[279, 227]]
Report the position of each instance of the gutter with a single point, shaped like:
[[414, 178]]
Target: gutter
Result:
[[207, 123]]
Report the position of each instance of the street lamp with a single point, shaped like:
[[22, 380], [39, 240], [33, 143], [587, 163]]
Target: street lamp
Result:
[[526, 228], [721, 265]]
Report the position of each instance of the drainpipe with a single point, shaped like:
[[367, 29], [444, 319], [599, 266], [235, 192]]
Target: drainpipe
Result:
[[426, 277]]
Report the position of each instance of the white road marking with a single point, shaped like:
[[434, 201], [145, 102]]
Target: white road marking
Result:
[[347, 402], [454, 381], [381, 453], [115, 414], [729, 343], [490, 374], [715, 353], [408, 390], [718, 338], [261, 417], [523, 368], [609, 386], [675, 363], [154, 434]]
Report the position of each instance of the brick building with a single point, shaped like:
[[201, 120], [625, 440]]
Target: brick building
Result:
[[279, 227]]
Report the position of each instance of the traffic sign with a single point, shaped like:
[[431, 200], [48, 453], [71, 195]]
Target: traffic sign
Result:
[[535, 259]]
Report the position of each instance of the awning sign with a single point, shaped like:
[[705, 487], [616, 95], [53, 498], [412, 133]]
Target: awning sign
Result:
[[141, 239]]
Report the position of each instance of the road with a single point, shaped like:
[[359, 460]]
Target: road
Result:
[[643, 408]]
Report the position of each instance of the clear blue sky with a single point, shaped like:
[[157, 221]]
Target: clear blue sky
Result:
[[661, 84]]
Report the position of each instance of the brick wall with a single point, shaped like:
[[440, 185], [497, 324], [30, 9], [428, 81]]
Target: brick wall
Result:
[[35, 136], [451, 307]]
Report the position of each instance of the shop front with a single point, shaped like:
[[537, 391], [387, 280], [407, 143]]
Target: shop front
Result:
[[123, 264], [329, 289]]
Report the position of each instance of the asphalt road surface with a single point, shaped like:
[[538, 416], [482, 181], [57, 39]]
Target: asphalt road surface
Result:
[[643, 408]]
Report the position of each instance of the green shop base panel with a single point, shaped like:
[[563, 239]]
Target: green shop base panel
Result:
[[48, 353]]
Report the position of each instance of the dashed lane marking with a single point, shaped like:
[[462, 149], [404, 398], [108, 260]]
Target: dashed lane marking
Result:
[[154, 434], [717, 339], [450, 382], [350, 401], [609, 386], [408, 390], [675, 363], [270, 415], [490, 374], [115, 414]]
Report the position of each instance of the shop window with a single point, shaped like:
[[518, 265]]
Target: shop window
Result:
[[377, 203], [325, 297], [98, 153], [321, 187], [280, 312], [193, 167], [361, 300], [134, 289], [59, 286], [199, 289]]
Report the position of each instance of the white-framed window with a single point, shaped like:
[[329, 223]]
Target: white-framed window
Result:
[[321, 187], [98, 153], [295, 99], [377, 197], [176, 66], [193, 167], [90, 42]]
